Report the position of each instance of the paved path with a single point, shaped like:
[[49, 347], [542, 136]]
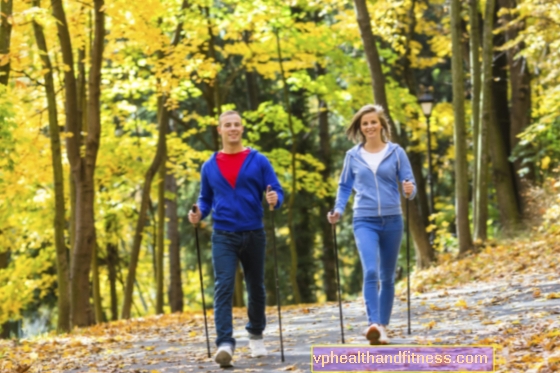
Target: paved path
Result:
[[463, 315]]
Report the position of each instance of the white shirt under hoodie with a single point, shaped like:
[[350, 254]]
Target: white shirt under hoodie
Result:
[[373, 159]]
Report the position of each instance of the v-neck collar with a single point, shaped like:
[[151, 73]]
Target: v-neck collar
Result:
[[243, 166]]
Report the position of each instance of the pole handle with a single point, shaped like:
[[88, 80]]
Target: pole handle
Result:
[[332, 213], [268, 189], [194, 210], [405, 195]]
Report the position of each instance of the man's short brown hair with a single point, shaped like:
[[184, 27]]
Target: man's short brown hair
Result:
[[226, 113]]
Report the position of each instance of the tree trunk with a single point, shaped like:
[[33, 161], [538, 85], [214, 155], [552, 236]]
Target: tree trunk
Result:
[[325, 156], [175, 282], [6, 7], [252, 90], [520, 80], [482, 159], [499, 135], [304, 215], [475, 70], [214, 87], [142, 215], [293, 191], [160, 236], [461, 171], [70, 87], [97, 302], [416, 159], [82, 168], [503, 180], [71, 225], [424, 252], [4, 261], [112, 263], [63, 301], [85, 192]]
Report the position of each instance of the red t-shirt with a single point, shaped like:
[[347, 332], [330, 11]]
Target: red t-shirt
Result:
[[230, 164]]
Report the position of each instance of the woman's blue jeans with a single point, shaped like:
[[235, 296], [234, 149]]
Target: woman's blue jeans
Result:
[[227, 249], [378, 240]]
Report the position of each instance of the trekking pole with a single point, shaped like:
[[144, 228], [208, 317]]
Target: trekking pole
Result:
[[338, 280], [407, 263], [271, 208], [201, 284]]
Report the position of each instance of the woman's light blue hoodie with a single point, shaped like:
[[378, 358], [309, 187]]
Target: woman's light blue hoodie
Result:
[[377, 193]]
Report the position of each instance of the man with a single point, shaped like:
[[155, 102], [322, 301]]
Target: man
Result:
[[232, 185]]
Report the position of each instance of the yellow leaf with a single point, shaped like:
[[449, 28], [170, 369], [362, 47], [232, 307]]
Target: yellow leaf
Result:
[[430, 325], [436, 308], [545, 162], [553, 296], [461, 303]]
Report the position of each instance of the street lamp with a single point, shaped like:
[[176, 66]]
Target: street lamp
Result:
[[426, 101]]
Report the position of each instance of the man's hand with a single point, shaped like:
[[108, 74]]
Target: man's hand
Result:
[[194, 217], [333, 217], [271, 196], [408, 188]]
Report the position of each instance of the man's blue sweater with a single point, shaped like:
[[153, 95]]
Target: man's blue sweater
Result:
[[237, 209]]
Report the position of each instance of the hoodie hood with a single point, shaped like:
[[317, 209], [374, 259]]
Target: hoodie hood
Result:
[[355, 151]]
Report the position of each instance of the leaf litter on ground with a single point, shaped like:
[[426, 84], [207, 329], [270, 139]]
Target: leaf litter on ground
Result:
[[525, 340]]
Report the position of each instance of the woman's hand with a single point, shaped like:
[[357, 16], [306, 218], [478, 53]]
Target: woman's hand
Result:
[[333, 218], [408, 188]]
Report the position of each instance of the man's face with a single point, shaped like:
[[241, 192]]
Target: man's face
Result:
[[231, 129]]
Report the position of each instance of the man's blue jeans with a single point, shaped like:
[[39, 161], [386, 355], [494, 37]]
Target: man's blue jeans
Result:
[[378, 240], [227, 249]]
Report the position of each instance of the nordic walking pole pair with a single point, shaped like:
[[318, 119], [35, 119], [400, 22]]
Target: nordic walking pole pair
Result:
[[201, 283], [275, 273], [338, 279], [407, 270], [271, 208]]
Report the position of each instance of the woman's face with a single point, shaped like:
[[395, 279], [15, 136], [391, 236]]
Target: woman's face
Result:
[[370, 126]]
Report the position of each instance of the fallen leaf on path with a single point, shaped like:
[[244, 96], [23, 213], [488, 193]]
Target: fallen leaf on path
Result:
[[437, 308], [461, 303]]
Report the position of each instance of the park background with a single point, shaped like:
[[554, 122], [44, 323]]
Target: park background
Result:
[[108, 109]]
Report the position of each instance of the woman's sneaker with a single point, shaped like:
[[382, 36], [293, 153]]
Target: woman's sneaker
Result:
[[373, 334], [377, 335], [223, 356], [383, 338], [257, 348]]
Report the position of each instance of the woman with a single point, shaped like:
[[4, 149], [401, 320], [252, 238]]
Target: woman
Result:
[[372, 168]]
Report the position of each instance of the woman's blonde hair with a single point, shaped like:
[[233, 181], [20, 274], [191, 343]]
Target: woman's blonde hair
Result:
[[354, 132]]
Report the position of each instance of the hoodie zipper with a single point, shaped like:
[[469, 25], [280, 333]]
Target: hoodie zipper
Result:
[[377, 187], [375, 177]]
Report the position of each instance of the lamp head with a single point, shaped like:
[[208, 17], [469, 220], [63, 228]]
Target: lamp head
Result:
[[426, 101]]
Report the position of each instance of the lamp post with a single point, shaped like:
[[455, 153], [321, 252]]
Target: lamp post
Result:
[[426, 101]]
